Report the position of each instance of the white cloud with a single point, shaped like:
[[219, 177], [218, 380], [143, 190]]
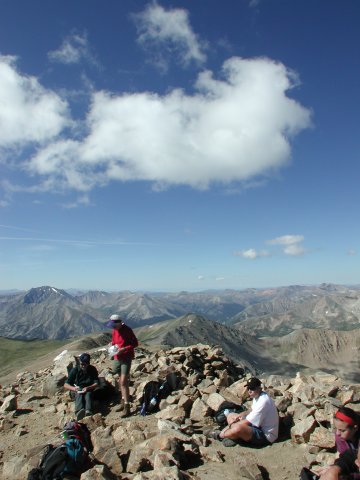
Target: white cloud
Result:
[[233, 129], [352, 252], [295, 250], [200, 277], [29, 113], [251, 253], [159, 28], [74, 49], [291, 244], [286, 240]]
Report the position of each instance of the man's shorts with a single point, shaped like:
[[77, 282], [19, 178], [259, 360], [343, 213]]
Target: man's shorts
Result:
[[258, 437], [121, 367]]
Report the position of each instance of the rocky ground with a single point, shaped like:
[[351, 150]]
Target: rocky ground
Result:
[[171, 443]]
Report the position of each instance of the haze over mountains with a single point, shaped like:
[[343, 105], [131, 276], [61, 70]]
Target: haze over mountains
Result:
[[280, 330], [49, 312]]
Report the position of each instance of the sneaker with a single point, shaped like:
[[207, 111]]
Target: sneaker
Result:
[[215, 434], [80, 414], [228, 442]]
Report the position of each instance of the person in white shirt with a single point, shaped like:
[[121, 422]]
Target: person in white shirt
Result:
[[258, 426]]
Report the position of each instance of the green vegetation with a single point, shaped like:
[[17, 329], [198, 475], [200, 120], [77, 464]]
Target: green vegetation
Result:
[[15, 354]]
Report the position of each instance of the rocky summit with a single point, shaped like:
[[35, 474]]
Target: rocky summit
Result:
[[171, 444]]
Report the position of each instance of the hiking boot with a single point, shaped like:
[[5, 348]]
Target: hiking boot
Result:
[[88, 413], [228, 442], [126, 412], [215, 434], [80, 414], [120, 407]]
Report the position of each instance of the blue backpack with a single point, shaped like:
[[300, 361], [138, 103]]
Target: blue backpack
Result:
[[68, 458]]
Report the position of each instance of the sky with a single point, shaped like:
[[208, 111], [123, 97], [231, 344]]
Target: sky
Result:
[[184, 145]]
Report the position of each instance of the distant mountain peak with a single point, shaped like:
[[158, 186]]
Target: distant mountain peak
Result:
[[42, 294]]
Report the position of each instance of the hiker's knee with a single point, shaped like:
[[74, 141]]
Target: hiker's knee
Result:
[[124, 380], [239, 431]]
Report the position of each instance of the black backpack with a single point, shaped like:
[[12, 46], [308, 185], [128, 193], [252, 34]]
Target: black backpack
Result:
[[219, 415], [104, 391], [154, 391], [70, 458]]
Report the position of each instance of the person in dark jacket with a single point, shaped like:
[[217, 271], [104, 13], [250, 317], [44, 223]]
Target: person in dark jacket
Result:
[[346, 466], [347, 439], [81, 382], [126, 342]]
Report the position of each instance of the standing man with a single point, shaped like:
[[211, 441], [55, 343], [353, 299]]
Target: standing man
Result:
[[124, 338], [81, 382], [258, 426]]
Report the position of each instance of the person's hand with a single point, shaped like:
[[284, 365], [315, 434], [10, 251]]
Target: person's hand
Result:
[[332, 473], [321, 470]]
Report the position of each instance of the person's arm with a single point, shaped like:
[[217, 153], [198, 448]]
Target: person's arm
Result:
[[132, 342], [332, 473], [71, 388], [344, 465], [70, 382], [242, 416], [94, 378]]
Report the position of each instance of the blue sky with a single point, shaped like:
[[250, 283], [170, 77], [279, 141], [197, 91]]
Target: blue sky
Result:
[[184, 145]]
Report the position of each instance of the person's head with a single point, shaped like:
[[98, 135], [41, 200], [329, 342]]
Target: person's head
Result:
[[84, 360], [115, 322], [253, 386], [346, 423]]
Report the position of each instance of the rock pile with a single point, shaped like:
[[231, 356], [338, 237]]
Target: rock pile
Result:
[[171, 443]]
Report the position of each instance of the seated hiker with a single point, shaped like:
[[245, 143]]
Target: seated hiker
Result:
[[258, 426], [346, 466], [347, 439], [347, 429], [81, 382]]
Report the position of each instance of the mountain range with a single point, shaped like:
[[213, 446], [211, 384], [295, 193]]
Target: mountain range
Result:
[[281, 330], [49, 312]]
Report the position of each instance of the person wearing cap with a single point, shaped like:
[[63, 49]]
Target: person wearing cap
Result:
[[124, 338], [258, 426], [81, 382]]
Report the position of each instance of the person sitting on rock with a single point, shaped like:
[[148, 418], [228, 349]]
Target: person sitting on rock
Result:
[[347, 439], [258, 426], [346, 466], [347, 429], [81, 382]]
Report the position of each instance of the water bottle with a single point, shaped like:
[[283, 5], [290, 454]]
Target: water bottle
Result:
[[153, 401], [226, 412], [143, 410]]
